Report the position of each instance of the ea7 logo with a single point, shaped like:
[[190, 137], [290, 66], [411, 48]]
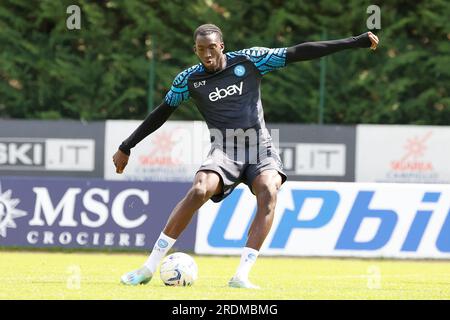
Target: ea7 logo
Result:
[[199, 84]]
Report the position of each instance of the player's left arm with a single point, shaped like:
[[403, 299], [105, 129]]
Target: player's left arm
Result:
[[313, 50], [269, 59]]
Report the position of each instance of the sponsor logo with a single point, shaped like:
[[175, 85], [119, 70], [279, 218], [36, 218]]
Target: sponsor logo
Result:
[[162, 150], [73, 216], [174, 153], [313, 159], [8, 211], [47, 154], [219, 94], [22, 153], [404, 154], [199, 84], [412, 162], [366, 220], [70, 154], [239, 70]]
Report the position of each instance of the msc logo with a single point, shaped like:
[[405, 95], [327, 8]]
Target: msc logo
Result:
[[71, 213], [218, 94], [239, 70], [8, 212]]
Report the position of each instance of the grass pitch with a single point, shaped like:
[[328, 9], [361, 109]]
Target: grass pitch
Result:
[[56, 275]]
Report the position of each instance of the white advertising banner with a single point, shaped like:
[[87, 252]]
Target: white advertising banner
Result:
[[172, 153], [404, 154], [373, 220]]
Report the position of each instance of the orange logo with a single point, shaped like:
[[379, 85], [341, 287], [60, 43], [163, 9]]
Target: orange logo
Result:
[[161, 151], [411, 161]]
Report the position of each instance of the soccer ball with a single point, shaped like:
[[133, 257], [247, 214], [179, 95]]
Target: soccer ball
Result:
[[178, 269]]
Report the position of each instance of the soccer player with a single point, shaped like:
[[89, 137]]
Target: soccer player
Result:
[[226, 90]]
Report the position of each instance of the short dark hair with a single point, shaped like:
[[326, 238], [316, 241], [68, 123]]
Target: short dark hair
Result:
[[206, 29]]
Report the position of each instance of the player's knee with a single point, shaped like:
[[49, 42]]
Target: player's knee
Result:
[[267, 189], [267, 195], [199, 194]]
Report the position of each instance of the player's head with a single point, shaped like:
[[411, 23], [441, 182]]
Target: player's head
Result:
[[209, 46]]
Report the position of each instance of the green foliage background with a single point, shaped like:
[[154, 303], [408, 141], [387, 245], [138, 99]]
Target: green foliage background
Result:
[[102, 70]]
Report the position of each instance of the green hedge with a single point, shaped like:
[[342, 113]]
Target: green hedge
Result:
[[102, 70]]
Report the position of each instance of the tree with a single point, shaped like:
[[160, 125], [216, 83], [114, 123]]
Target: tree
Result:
[[101, 71]]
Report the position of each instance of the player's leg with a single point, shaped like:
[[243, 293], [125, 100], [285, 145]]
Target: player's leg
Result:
[[265, 187], [206, 184]]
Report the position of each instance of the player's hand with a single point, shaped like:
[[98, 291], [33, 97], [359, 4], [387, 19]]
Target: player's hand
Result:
[[374, 40], [120, 160]]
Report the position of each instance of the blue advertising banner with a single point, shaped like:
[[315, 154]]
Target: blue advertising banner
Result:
[[88, 213]]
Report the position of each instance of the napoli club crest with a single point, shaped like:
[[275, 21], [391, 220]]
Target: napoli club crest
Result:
[[239, 70]]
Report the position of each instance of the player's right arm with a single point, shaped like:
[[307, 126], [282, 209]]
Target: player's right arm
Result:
[[151, 123], [178, 93]]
